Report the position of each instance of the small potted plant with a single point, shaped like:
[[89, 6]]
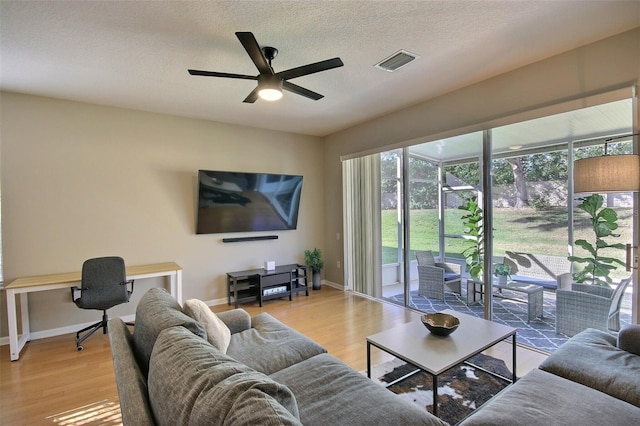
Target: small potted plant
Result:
[[502, 271], [313, 259]]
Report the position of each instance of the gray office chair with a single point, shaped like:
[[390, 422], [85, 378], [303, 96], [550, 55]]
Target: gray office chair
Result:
[[104, 285]]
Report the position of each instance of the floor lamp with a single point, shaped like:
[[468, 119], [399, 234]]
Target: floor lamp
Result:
[[607, 173]]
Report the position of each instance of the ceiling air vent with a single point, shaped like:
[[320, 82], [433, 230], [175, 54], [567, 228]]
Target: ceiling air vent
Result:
[[396, 61]]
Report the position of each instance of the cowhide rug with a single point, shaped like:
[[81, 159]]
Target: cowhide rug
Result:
[[461, 390]]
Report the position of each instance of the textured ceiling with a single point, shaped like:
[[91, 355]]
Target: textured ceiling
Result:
[[136, 54]]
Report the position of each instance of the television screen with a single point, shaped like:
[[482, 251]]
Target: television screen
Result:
[[244, 202]]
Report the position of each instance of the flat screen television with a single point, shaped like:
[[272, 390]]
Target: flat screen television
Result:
[[246, 202]]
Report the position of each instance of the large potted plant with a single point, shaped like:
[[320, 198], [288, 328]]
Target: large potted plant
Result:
[[313, 259], [603, 222], [474, 239]]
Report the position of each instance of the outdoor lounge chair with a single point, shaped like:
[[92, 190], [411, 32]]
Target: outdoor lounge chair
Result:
[[589, 306], [434, 276]]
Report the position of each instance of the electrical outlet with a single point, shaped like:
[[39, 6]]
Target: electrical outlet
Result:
[[338, 236], [338, 263]]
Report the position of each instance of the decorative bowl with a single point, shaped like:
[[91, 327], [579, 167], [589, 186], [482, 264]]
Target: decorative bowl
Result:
[[440, 324]]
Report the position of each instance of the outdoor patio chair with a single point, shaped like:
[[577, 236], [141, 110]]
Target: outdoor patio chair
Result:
[[589, 306], [434, 276]]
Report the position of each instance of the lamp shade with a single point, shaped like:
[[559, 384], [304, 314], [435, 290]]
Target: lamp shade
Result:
[[608, 173]]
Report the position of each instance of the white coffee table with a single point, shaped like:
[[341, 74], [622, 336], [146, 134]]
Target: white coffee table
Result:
[[414, 344]]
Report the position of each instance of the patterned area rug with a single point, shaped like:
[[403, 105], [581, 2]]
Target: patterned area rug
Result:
[[539, 333], [461, 390]]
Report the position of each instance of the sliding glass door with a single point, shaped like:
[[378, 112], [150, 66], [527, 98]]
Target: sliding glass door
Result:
[[423, 200]]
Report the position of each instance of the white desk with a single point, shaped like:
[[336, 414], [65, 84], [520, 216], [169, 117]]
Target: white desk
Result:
[[25, 285]]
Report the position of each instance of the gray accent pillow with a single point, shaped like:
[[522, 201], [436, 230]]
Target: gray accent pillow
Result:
[[629, 339], [156, 311], [192, 382], [218, 334]]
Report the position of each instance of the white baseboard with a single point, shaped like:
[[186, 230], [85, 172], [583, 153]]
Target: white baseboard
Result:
[[70, 329], [334, 285], [216, 302]]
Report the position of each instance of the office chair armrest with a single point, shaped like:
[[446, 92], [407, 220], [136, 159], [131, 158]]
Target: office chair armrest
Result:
[[75, 292], [128, 282]]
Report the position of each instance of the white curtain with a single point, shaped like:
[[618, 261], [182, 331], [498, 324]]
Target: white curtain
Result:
[[361, 200]]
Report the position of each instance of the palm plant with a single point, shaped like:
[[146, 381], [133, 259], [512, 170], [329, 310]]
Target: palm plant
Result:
[[313, 259]]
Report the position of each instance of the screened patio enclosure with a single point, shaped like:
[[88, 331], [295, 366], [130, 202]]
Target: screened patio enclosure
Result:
[[519, 173]]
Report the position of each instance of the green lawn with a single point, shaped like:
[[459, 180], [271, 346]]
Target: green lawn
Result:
[[524, 230]]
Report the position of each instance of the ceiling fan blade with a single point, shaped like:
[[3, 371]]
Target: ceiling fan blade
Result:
[[252, 47], [222, 74], [311, 68], [301, 91], [253, 96]]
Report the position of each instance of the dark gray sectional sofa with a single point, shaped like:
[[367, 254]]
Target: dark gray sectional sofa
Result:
[[167, 373]]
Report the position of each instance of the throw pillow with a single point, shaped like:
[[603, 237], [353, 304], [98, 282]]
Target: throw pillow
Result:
[[218, 334], [629, 339]]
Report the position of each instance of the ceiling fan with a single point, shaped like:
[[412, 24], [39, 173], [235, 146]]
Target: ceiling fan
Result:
[[270, 83]]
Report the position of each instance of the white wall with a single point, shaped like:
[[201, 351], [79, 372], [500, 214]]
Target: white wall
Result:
[[81, 180]]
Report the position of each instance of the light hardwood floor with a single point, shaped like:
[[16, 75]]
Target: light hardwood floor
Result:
[[54, 384]]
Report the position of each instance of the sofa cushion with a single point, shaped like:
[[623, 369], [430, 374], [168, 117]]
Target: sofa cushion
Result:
[[550, 284], [270, 345], [629, 339], [592, 358], [218, 334], [329, 392], [192, 382], [542, 398], [448, 276], [156, 311]]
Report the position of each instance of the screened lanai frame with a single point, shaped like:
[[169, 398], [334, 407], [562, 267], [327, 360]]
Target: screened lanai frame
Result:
[[502, 151]]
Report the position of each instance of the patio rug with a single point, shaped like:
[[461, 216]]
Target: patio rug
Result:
[[461, 390], [539, 333]]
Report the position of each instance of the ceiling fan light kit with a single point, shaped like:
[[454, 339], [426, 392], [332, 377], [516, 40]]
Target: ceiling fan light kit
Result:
[[270, 83], [270, 87]]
